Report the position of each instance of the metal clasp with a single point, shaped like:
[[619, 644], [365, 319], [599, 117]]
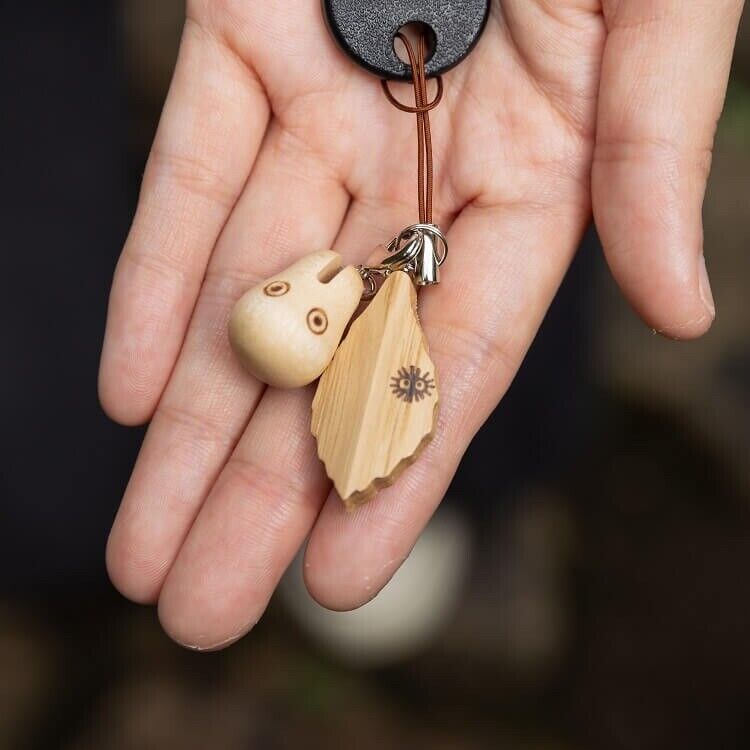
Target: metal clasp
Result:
[[419, 250]]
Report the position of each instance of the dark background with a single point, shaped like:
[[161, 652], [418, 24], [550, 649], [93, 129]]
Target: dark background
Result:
[[604, 602]]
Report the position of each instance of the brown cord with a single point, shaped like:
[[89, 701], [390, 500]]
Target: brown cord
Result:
[[425, 170]]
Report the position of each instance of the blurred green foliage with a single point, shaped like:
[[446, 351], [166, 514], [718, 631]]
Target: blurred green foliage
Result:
[[734, 127]]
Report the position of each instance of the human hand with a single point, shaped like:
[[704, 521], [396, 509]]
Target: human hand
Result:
[[273, 144]]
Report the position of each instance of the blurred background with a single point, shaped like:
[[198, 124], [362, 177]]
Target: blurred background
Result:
[[586, 590]]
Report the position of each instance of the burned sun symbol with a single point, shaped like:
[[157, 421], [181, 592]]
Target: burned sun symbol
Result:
[[411, 385]]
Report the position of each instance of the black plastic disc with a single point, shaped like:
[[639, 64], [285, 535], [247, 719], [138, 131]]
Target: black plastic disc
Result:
[[366, 30]]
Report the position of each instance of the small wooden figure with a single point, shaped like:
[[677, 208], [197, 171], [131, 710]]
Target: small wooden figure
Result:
[[286, 330]]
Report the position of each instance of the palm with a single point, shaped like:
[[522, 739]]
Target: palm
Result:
[[274, 144], [512, 128]]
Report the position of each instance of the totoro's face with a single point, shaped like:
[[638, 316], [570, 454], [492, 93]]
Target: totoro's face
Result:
[[286, 330]]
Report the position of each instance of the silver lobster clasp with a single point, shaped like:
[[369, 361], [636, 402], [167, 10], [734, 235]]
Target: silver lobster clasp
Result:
[[419, 250]]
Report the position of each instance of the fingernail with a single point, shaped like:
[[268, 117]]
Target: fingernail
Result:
[[704, 287]]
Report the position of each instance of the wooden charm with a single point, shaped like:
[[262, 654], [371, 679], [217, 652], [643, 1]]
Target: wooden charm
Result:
[[286, 330], [376, 404]]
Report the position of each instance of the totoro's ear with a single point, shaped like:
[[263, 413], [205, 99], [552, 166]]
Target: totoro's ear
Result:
[[322, 265], [332, 267]]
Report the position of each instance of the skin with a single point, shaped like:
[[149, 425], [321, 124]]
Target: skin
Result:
[[273, 144]]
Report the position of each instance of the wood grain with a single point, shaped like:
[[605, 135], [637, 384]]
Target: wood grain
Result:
[[376, 404]]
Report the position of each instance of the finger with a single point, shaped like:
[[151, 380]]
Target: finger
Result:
[[249, 529], [294, 203], [213, 122], [664, 77], [479, 327], [266, 499]]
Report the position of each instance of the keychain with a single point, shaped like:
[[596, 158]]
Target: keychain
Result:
[[376, 403]]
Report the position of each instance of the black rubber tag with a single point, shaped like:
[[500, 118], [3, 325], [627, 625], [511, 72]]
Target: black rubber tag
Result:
[[366, 30]]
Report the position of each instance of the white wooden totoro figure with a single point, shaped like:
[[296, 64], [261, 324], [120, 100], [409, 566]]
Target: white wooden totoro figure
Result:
[[286, 330]]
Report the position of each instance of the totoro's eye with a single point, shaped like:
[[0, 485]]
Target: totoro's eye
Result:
[[317, 321], [276, 288]]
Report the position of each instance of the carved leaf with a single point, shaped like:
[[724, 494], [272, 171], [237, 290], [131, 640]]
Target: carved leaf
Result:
[[376, 404]]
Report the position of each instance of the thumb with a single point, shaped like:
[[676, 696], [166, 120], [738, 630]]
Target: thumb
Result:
[[664, 75]]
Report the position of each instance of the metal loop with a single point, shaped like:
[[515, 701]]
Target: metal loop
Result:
[[418, 250], [371, 286], [430, 229]]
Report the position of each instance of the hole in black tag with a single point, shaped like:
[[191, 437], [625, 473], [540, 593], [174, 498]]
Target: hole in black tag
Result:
[[413, 31], [365, 30]]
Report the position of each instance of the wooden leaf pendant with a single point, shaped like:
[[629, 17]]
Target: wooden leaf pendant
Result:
[[376, 404]]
